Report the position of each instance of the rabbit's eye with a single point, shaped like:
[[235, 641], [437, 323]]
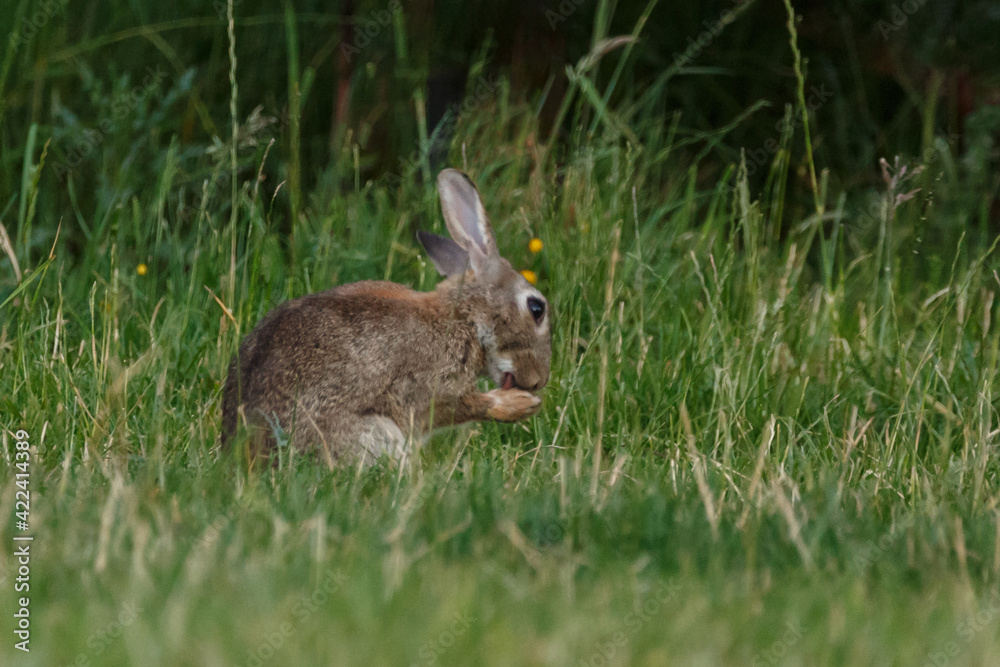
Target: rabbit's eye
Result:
[[537, 309]]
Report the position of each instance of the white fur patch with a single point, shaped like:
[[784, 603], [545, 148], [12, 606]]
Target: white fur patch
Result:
[[487, 338], [496, 365], [382, 436], [527, 290]]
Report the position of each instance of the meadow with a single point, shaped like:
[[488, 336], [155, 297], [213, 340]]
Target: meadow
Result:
[[770, 437]]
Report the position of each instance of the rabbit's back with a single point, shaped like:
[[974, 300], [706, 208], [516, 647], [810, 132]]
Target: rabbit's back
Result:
[[369, 348]]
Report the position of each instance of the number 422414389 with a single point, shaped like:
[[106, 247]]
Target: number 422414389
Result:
[[21, 463]]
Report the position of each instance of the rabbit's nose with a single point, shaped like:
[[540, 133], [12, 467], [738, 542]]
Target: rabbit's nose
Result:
[[533, 382]]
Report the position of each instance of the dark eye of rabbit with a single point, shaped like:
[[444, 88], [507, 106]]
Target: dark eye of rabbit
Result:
[[537, 308]]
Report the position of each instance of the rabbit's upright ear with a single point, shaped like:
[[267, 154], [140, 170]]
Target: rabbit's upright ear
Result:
[[448, 257], [466, 219]]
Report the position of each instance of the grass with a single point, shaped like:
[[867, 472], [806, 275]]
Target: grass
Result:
[[770, 435]]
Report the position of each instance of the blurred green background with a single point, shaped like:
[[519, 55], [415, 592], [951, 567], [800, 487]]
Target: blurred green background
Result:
[[357, 90]]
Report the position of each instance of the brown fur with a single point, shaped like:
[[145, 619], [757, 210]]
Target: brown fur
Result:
[[361, 368]]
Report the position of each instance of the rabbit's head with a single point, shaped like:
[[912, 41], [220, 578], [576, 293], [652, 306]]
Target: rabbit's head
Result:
[[511, 317]]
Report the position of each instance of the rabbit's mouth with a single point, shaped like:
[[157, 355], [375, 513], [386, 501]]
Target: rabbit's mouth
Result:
[[507, 381]]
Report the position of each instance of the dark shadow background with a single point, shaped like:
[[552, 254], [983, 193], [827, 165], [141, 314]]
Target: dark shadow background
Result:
[[893, 77]]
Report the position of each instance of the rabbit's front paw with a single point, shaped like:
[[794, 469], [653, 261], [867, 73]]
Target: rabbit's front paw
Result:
[[511, 405]]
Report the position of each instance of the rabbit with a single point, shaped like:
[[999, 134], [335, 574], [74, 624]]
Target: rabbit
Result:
[[364, 369]]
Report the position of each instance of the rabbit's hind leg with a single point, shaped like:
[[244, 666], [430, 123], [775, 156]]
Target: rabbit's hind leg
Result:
[[350, 437], [338, 436], [379, 435]]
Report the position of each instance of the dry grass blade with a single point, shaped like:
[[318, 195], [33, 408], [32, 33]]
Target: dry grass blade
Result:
[[9, 251], [700, 472]]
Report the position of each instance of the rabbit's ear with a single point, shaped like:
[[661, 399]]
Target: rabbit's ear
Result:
[[466, 218], [448, 257]]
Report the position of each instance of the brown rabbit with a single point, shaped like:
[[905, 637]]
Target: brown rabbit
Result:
[[361, 369]]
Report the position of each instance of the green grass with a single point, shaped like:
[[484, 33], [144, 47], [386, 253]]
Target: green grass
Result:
[[770, 437]]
